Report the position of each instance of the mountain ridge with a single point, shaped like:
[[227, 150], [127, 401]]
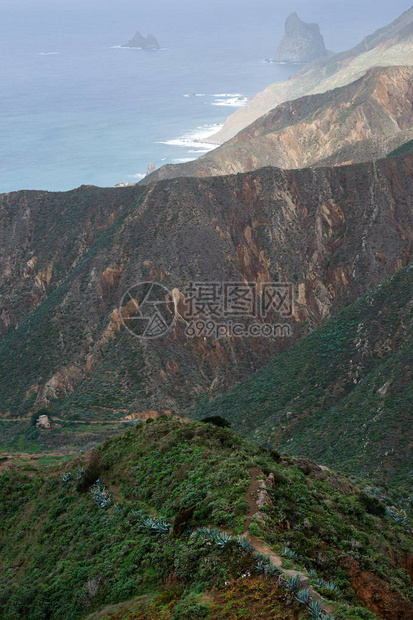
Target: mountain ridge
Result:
[[362, 121], [390, 45], [331, 232]]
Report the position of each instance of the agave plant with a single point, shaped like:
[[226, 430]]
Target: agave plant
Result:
[[303, 596], [161, 526], [67, 477], [206, 533], [374, 492], [158, 526], [136, 517], [260, 557], [288, 553], [222, 540], [398, 517], [243, 543], [294, 583], [272, 570], [260, 567], [101, 496], [329, 585], [316, 610]]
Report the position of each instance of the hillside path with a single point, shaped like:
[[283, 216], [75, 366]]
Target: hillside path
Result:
[[257, 484]]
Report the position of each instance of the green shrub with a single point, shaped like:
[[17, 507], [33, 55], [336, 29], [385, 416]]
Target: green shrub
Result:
[[189, 609], [183, 520], [217, 420], [91, 474], [372, 505]]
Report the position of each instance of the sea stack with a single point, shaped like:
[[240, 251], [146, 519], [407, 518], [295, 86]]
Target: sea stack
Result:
[[301, 43], [151, 168], [146, 43]]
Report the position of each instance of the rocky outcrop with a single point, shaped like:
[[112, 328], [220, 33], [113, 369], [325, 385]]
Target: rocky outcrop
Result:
[[382, 599], [302, 42], [151, 168], [146, 43]]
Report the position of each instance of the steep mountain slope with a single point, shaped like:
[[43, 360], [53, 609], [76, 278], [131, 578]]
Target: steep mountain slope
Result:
[[362, 121], [389, 46], [343, 395], [167, 517], [43, 236], [402, 150], [331, 233]]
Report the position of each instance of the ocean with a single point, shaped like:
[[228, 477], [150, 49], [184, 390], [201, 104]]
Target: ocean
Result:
[[76, 108]]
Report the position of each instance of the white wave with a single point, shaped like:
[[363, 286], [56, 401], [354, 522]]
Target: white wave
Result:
[[196, 141], [49, 54], [233, 102], [183, 160], [189, 143], [139, 176], [195, 95], [228, 95], [125, 47]]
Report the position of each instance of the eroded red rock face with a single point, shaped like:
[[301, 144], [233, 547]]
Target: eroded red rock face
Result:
[[376, 594], [333, 233], [362, 121]]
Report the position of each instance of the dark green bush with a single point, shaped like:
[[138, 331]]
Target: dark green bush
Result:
[[92, 473], [372, 505], [217, 420], [183, 520]]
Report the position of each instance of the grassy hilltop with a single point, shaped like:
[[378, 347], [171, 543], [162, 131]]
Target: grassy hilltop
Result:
[[157, 517]]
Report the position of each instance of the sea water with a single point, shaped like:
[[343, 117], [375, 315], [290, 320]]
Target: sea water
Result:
[[77, 108]]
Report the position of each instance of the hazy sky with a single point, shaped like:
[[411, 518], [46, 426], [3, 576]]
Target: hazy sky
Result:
[[342, 22]]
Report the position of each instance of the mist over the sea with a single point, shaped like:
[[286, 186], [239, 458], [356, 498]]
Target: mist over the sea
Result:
[[75, 109]]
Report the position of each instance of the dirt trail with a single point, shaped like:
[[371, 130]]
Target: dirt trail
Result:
[[261, 547]]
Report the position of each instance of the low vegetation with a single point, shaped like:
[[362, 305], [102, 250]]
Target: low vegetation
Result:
[[151, 524]]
